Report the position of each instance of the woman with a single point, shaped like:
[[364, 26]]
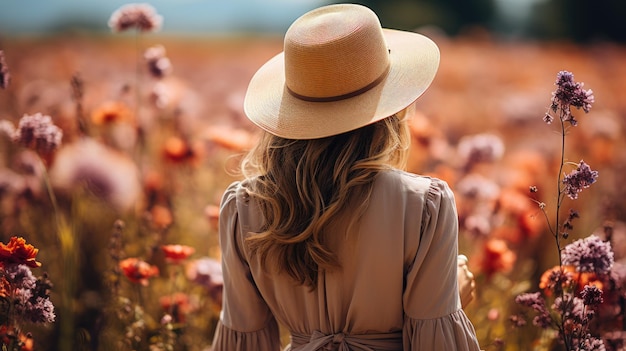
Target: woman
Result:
[[326, 236]]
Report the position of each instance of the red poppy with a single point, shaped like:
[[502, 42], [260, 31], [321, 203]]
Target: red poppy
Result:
[[138, 271], [17, 251], [497, 257], [177, 253], [178, 305]]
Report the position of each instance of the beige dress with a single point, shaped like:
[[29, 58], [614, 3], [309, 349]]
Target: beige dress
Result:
[[396, 288]]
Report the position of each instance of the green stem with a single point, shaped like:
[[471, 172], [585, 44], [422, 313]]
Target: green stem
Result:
[[69, 251]]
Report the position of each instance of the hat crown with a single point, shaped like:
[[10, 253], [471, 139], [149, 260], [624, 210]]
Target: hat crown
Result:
[[334, 52]]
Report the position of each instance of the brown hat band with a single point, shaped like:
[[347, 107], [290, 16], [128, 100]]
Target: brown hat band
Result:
[[343, 96]]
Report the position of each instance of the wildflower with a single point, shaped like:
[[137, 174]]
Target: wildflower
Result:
[[476, 186], [570, 93], [11, 336], [158, 64], [141, 16], [230, 138], [548, 118], [177, 253], [138, 271], [178, 150], [5, 77], [590, 343], [17, 251], [589, 255], [160, 95], [538, 304], [556, 279], [39, 133], [480, 148], [591, 295], [29, 296], [161, 216], [208, 273], [572, 308], [178, 306], [111, 112], [517, 321], [497, 257], [111, 176], [33, 308], [579, 179]]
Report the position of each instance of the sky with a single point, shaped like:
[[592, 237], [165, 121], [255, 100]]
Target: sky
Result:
[[180, 16]]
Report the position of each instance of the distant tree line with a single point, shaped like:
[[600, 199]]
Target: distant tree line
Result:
[[576, 20]]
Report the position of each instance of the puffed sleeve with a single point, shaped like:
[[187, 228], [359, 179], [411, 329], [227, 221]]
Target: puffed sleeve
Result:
[[246, 322], [434, 319]]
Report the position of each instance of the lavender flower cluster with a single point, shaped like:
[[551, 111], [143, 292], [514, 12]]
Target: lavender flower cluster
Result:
[[580, 178], [38, 132], [569, 93], [31, 296], [589, 255], [574, 307]]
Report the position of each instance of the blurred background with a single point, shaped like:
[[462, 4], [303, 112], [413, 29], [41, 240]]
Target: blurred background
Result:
[[153, 128], [578, 20]]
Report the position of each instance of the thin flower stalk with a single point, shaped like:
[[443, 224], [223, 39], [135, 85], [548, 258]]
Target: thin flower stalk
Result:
[[572, 306]]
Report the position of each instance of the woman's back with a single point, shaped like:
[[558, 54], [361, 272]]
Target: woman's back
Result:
[[390, 279]]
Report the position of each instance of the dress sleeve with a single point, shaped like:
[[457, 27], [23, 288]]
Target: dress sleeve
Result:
[[246, 322], [434, 319]]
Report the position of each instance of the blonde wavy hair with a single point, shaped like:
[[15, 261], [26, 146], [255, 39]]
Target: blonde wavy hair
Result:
[[303, 186]]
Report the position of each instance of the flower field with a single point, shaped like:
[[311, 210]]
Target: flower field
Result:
[[115, 149]]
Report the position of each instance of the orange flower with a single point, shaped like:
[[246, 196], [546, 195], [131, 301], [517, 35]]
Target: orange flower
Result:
[[179, 150], [177, 253], [110, 112], [161, 216], [19, 252], [581, 279], [8, 336], [138, 271]]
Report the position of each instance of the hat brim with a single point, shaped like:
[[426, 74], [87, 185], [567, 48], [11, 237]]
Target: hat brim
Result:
[[414, 60]]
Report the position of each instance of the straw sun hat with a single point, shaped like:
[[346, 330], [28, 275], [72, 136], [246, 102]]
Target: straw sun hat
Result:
[[339, 71]]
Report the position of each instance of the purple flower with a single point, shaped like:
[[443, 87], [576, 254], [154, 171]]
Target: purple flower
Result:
[[480, 148], [591, 295], [537, 303], [580, 178], [39, 133], [548, 118], [572, 308], [158, 64], [20, 276], [589, 255], [141, 16], [518, 321], [111, 176], [570, 93], [590, 343], [31, 296], [5, 77]]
